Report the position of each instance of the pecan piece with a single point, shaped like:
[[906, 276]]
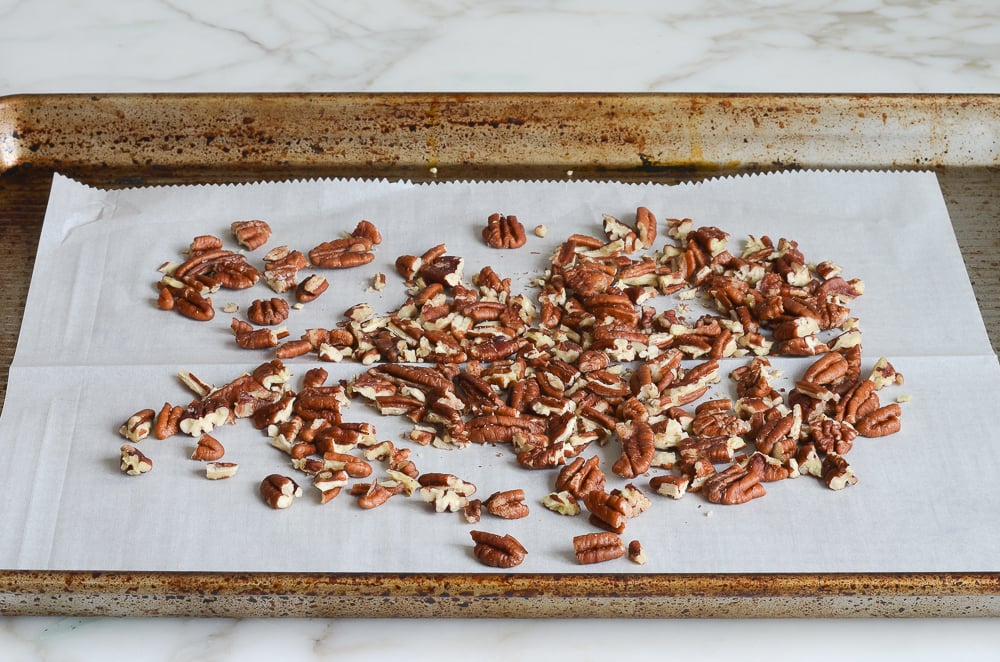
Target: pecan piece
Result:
[[503, 232], [508, 504], [497, 551], [268, 312], [281, 268], [209, 448], [310, 288], [279, 491], [220, 470], [837, 473], [598, 547], [133, 462], [251, 234], [367, 230], [138, 425], [636, 554]]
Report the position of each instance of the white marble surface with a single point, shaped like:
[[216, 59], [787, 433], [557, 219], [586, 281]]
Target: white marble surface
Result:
[[499, 45]]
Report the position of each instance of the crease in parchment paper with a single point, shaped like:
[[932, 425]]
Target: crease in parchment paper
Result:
[[91, 329]]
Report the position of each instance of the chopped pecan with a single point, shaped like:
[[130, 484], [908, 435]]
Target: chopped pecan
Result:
[[508, 504], [636, 554], [220, 470], [279, 491], [598, 547], [561, 502], [497, 551], [209, 448], [251, 234], [367, 230], [134, 462], [836, 472], [281, 268], [310, 288], [138, 426]]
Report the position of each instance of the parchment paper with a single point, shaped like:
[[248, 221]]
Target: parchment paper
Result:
[[94, 348]]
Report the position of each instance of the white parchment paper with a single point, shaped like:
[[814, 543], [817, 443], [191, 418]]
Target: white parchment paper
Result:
[[94, 348]]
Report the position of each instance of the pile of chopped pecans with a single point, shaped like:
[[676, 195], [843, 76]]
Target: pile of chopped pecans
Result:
[[589, 360]]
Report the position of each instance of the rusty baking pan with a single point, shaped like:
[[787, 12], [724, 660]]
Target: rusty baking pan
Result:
[[131, 140]]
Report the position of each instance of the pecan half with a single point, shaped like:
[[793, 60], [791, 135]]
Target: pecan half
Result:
[[251, 234], [504, 232], [209, 448], [268, 312], [598, 547], [497, 551], [133, 462]]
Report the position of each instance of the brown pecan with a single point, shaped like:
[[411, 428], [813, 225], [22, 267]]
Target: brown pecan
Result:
[[497, 551], [191, 304], [268, 312], [581, 477], [310, 288], [251, 234], [598, 547], [168, 421], [279, 491], [881, 422], [836, 472], [504, 232], [209, 448], [205, 242], [375, 496], [858, 402], [734, 485], [638, 446], [607, 511], [832, 436], [138, 426], [134, 462], [342, 253], [281, 268], [445, 269], [508, 504], [636, 554], [645, 227], [828, 369], [367, 230], [670, 485]]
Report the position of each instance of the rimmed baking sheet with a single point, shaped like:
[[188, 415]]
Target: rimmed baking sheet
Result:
[[486, 582]]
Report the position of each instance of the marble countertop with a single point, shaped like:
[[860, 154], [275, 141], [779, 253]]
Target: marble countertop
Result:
[[432, 45]]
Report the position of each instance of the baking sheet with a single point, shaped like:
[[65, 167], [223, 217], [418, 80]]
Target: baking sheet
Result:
[[93, 349]]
